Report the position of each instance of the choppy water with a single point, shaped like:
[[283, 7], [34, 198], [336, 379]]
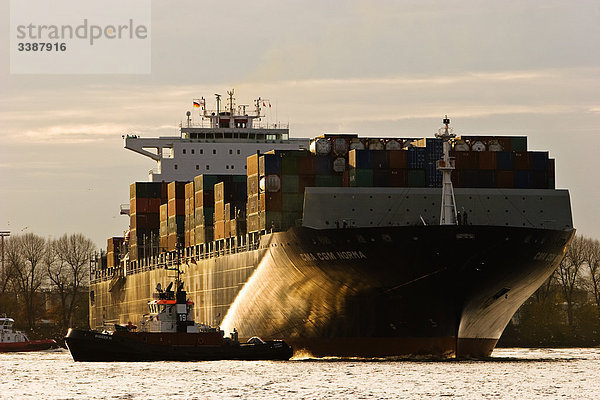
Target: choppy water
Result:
[[510, 374]]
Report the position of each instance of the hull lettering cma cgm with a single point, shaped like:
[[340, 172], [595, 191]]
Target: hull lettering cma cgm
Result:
[[340, 245]]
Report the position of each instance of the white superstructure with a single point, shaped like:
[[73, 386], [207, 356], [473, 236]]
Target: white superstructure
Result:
[[218, 144]]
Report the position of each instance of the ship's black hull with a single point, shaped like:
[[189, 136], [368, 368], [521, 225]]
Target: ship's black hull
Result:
[[97, 346], [438, 291], [428, 290]]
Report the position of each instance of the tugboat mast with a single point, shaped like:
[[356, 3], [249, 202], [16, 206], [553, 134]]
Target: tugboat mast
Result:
[[446, 166]]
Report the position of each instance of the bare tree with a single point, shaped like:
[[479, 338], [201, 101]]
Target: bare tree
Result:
[[74, 253], [59, 275], [24, 254], [592, 259], [568, 272]]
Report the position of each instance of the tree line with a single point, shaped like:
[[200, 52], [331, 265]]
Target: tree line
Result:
[[59, 267], [565, 310]]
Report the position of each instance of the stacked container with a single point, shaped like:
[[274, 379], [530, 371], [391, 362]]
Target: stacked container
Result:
[[113, 251], [145, 199], [190, 215], [175, 214]]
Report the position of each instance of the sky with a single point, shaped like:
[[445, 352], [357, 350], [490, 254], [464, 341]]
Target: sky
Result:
[[377, 68]]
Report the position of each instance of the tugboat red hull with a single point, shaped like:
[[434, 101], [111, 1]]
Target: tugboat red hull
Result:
[[141, 346], [31, 345]]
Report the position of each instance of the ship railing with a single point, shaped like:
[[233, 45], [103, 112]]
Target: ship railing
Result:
[[170, 259]]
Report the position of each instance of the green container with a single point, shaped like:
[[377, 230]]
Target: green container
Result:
[[518, 143], [289, 165], [290, 183], [416, 178], [324, 181], [551, 183], [239, 178], [361, 177], [290, 219], [272, 220], [292, 201]]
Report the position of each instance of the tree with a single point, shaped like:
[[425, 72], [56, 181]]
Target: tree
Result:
[[568, 272], [73, 257], [24, 254], [59, 275], [592, 260]]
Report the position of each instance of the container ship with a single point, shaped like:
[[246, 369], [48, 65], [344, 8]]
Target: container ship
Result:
[[340, 245]]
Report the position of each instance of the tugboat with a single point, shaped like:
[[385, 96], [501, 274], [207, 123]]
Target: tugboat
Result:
[[13, 341], [169, 333]]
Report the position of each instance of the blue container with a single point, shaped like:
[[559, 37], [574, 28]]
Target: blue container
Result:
[[360, 159], [416, 157], [523, 179], [434, 149], [539, 160], [539, 180], [272, 164], [323, 165], [486, 178], [505, 160], [433, 177]]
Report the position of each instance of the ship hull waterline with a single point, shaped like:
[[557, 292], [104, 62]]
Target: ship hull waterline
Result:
[[439, 291]]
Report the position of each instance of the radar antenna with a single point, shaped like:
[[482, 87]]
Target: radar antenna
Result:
[[446, 166]]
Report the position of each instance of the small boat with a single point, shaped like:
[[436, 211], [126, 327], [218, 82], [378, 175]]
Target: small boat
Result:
[[13, 341], [169, 333]]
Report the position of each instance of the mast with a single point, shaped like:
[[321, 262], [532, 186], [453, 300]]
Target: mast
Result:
[[446, 166]]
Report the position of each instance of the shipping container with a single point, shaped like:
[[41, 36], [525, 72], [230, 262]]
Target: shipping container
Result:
[[416, 178], [416, 157], [518, 143], [271, 201], [487, 160], [466, 159], [433, 177], [361, 177], [487, 178], [323, 165], [522, 179], [252, 165], [146, 190], [144, 221], [269, 164], [176, 190], [522, 160], [505, 161], [505, 179], [290, 183], [398, 159], [539, 160], [176, 207], [398, 177]]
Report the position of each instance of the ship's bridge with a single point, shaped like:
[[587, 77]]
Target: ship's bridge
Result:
[[218, 143]]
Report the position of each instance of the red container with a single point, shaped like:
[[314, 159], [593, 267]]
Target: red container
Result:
[[466, 159], [487, 160], [398, 177], [138, 205], [522, 160], [505, 179], [398, 159], [271, 201], [307, 164], [305, 181]]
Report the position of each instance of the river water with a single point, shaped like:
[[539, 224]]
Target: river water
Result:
[[509, 374]]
